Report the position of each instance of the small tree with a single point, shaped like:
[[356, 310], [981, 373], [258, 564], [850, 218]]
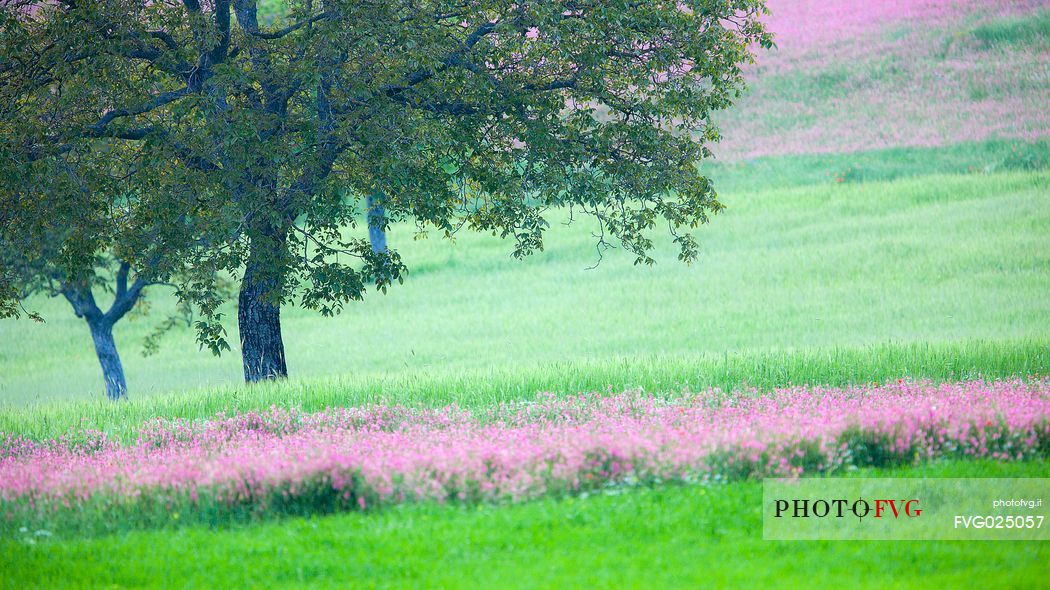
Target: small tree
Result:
[[78, 291], [64, 234], [481, 114], [78, 256]]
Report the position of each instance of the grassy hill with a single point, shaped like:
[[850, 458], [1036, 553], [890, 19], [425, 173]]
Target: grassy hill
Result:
[[850, 76]]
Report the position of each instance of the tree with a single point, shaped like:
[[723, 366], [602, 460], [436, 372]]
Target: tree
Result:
[[467, 113], [50, 280], [59, 239], [375, 214], [71, 225]]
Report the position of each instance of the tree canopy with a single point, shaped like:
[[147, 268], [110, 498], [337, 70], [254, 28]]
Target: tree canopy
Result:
[[249, 146]]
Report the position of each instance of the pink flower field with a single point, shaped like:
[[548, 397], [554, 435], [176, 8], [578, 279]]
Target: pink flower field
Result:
[[852, 75], [802, 25], [365, 457]]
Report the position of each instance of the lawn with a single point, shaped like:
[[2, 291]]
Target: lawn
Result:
[[681, 536]]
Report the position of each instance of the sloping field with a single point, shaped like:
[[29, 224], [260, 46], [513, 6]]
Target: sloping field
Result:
[[925, 259], [851, 75], [873, 302]]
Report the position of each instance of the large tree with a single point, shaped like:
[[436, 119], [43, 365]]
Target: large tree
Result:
[[467, 113]]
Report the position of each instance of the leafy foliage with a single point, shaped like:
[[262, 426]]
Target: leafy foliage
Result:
[[249, 146]]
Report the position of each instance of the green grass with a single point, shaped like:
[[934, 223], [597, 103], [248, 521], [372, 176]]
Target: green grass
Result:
[[1014, 30], [760, 174], [484, 388], [688, 536], [920, 260]]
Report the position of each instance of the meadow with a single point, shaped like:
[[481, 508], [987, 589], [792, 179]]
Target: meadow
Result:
[[667, 536], [851, 75], [873, 301], [921, 259], [940, 277]]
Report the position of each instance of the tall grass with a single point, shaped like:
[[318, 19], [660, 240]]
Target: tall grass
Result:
[[948, 361], [931, 258]]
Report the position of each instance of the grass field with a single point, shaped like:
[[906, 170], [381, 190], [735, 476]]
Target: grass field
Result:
[[925, 259], [928, 263], [797, 170], [479, 389], [887, 183], [644, 538], [849, 76]]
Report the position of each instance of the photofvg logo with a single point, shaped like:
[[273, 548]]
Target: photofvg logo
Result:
[[841, 508], [904, 509]]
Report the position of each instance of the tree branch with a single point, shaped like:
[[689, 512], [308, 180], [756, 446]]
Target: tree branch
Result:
[[126, 299], [122, 279], [453, 58], [137, 134], [553, 85], [455, 108], [82, 300], [290, 28], [150, 105]]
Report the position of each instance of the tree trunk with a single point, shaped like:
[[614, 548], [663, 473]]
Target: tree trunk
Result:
[[259, 323], [106, 349], [376, 215]]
